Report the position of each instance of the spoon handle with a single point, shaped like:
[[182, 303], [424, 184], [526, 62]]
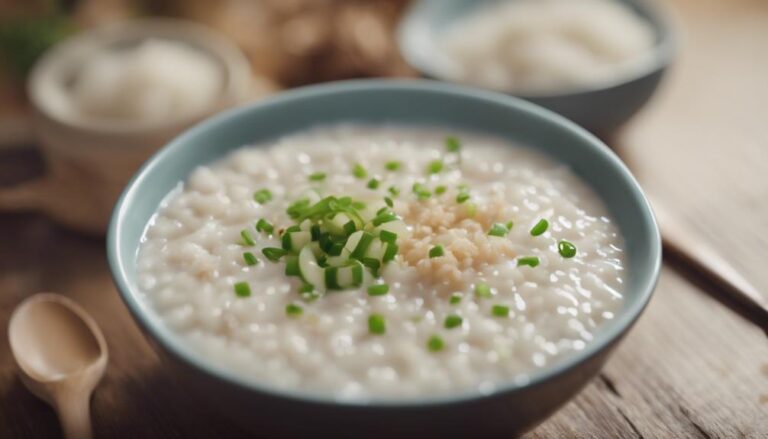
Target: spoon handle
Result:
[[683, 245], [74, 415]]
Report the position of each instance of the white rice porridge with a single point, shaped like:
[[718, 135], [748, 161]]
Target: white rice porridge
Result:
[[465, 318], [546, 46]]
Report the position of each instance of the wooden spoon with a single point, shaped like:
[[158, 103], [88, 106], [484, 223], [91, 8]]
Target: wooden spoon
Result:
[[691, 251], [62, 356]]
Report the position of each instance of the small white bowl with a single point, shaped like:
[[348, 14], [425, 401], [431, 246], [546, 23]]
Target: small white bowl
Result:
[[90, 160]]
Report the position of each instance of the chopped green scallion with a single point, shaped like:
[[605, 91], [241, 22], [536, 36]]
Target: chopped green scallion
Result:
[[566, 249], [250, 258], [452, 144], [483, 290], [435, 344], [387, 236], [378, 290], [510, 225], [462, 197], [293, 310], [262, 196], [435, 166], [421, 191], [350, 227], [388, 201], [242, 289], [540, 227], [440, 190], [498, 229], [373, 183], [377, 324], [394, 191], [359, 171], [500, 311], [384, 217], [317, 176], [530, 261], [393, 165], [263, 225], [455, 299], [452, 321], [436, 251], [247, 240], [273, 253]]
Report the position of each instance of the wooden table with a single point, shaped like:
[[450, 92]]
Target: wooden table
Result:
[[690, 368]]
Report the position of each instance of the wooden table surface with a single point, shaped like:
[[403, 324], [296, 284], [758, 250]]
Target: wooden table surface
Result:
[[690, 368]]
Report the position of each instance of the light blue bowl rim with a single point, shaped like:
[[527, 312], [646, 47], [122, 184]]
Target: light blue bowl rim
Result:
[[603, 339]]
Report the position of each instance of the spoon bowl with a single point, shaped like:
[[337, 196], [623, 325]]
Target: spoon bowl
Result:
[[62, 355]]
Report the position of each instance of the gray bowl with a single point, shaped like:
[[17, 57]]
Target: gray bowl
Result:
[[515, 406], [601, 109]]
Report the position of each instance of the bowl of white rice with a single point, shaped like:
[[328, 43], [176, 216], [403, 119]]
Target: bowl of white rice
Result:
[[377, 257], [596, 62]]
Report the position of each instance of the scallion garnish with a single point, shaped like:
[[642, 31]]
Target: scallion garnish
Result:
[[435, 166], [263, 225], [394, 191], [384, 217], [377, 324], [359, 171], [378, 290], [387, 236], [471, 209], [247, 240], [273, 253], [393, 165], [421, 191], [455, 299], [388, 201], [317, 176], [498, 229], [500, 311], [436, 251], [452, 144], [510, 225], [292, 266], [530, 261], [452, 321], [440, 190], [540, 227], [373, 184], [293, 310], [463, 194], [250, 258], [435, 344], [566, 249], [350, 227], [242, 289], [262, 196], [483, 290]]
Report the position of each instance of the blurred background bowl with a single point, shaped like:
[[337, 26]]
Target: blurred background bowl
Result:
[[600, 109], [89, 160]]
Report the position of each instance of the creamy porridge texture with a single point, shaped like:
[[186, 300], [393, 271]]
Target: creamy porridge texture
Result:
[[545, 46], [494, 263]]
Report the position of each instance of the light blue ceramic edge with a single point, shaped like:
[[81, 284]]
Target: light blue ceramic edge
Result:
[[123, 237], [440, 12]]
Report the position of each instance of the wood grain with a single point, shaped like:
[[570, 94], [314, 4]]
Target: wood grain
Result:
[[690, 368]]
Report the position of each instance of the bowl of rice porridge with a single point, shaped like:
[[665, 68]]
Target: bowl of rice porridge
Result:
[[370, 257], [597, 62]]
